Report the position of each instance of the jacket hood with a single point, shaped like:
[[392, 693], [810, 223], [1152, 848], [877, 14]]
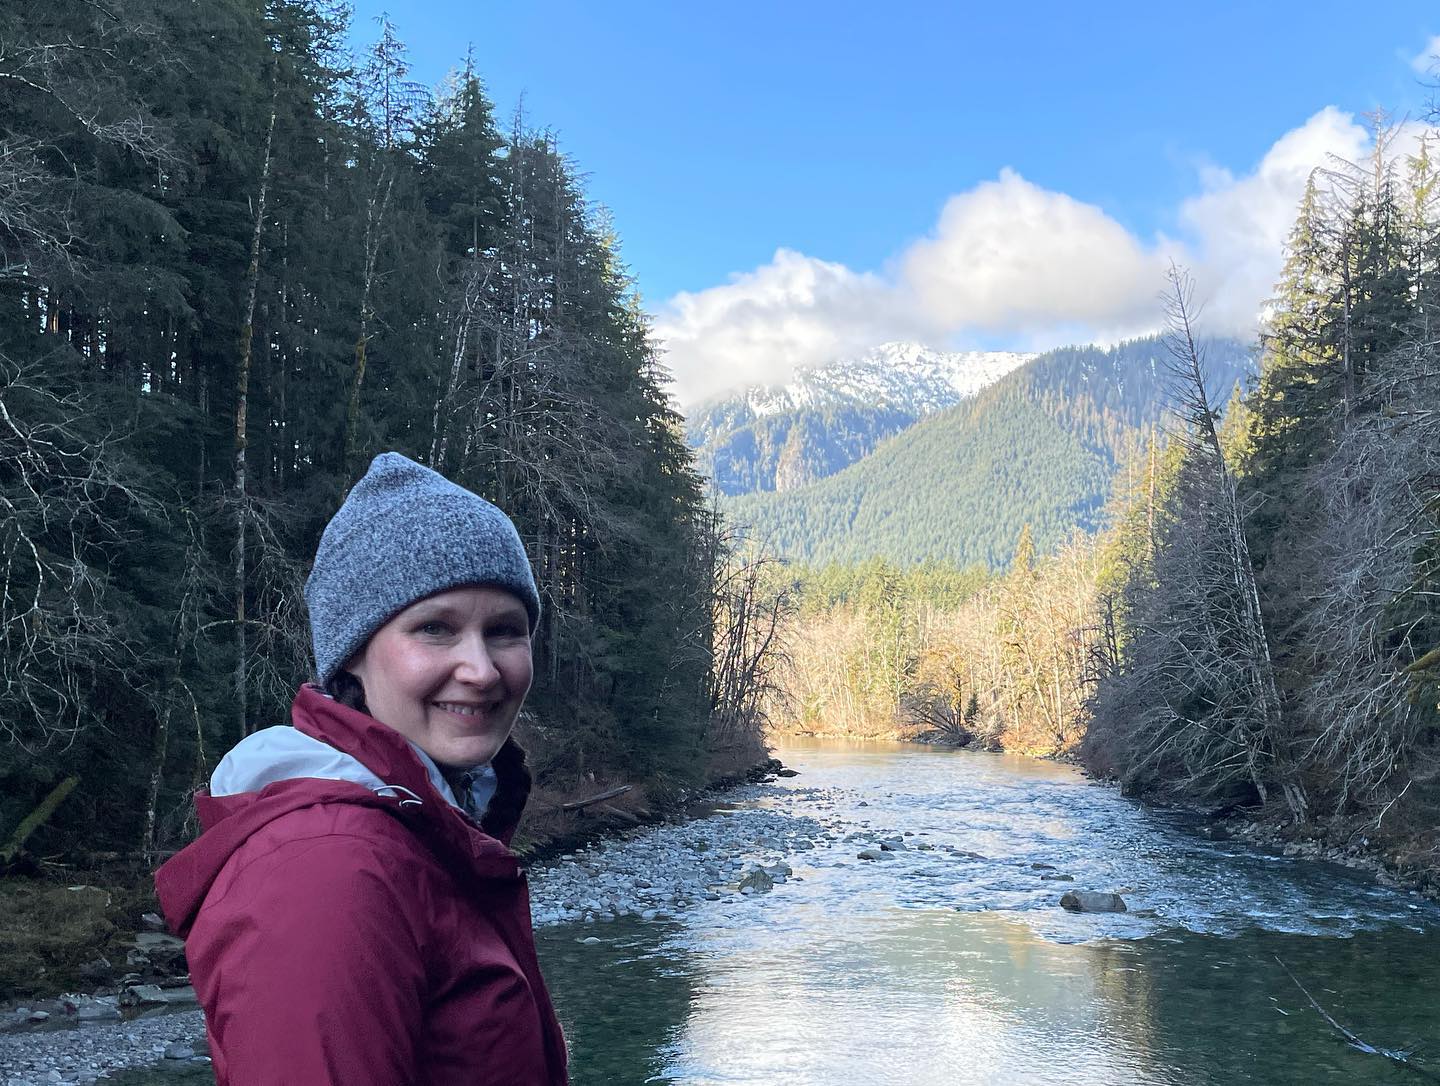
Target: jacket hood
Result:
[[283, 753], [331, 754]]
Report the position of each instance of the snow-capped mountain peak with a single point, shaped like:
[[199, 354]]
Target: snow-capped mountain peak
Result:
[[905, 376]]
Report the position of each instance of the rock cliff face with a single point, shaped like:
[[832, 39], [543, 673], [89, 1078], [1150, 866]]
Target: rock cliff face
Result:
[[782, 438]]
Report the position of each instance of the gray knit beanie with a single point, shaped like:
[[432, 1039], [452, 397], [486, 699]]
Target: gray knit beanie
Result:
[[405, 532]]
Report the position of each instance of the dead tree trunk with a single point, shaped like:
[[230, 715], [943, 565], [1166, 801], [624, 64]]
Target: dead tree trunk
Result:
[[375, 211], [242, 397]]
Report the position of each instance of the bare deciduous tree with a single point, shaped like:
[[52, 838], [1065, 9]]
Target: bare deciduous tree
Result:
[[1195, 705], [1373, 610], [63, 504], [751, 600]]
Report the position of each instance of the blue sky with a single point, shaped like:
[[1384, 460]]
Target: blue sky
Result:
[[841, 133]]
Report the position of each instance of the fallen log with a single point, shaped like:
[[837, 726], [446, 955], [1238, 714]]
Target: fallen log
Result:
[[580, 804], [616, 812], [36, 818]]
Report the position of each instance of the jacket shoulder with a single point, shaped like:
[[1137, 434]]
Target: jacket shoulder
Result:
[[339, 842]]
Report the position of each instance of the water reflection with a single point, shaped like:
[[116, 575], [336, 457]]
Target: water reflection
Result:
[[625, 999], [947, 968]]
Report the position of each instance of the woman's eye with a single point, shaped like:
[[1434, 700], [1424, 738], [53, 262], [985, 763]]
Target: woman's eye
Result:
[[434, 629]]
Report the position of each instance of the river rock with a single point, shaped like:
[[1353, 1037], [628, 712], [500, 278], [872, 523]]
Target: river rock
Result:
[[757, 880], [1090, 901], [163, 952], [872, 854], [152, 995]]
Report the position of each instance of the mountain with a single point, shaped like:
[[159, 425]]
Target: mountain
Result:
[[1040, 446], [827, 417]]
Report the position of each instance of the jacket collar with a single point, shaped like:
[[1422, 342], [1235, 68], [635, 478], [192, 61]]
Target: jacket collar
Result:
[[379, 749]]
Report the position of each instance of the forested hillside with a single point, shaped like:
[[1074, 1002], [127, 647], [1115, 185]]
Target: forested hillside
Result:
[[828, 417], [235, 263], [1040, 447]]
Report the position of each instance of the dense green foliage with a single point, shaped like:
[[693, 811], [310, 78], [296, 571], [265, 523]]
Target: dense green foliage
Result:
[[234, 264], [1276, 585], [1039, 447]]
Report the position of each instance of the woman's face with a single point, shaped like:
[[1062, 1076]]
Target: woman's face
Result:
[[449, 672]]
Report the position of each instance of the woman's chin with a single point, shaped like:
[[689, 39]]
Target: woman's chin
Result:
[[467, 753]]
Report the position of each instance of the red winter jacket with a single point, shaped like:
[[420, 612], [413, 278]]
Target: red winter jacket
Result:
[[341, 934]]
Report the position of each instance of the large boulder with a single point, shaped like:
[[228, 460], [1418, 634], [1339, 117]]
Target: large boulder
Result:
[[1090, 901]]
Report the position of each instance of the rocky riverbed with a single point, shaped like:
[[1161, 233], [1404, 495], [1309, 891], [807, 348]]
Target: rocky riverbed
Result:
[[655, 872]]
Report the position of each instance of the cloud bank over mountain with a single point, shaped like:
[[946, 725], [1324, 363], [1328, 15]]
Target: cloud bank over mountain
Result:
[[1014, 264]]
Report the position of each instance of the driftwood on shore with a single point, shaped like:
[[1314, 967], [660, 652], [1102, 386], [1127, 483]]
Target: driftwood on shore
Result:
[[609, 793], [620, 813]]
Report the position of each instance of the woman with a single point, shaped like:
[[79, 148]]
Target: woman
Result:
[[351, 913]]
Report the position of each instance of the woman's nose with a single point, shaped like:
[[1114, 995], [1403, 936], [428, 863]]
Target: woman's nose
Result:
[[475, 665]]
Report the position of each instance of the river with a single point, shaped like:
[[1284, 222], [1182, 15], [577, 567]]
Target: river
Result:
[[934, 966], [951, 962]]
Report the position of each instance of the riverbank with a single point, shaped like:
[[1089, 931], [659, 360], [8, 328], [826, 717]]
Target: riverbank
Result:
[[61, 938], [651, 872], [1409, 861], [69, 927]]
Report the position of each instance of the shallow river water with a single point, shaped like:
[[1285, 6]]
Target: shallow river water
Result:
[[934, 966]]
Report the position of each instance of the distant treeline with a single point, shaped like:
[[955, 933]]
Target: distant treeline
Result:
[[1260, 622], [960, 656], [235, 263]]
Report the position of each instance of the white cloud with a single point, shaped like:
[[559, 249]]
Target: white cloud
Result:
[[1239, 225], [794, 311], [1425, 61], [1009, 261], [1008, 256]]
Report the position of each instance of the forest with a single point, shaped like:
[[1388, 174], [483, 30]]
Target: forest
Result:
[[236, 262], [1257, 625]]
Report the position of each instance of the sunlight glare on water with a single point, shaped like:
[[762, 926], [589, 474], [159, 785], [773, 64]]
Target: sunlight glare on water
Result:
[[958, 967]]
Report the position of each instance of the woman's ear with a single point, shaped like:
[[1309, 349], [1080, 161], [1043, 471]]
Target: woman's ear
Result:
[[347, 689]]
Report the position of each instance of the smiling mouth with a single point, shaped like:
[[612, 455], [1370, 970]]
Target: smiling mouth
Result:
[[461, 709]]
